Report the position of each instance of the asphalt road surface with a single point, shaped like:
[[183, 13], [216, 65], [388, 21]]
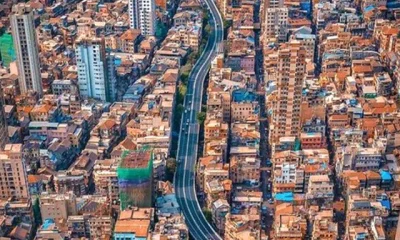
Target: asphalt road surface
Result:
[[184, 180]]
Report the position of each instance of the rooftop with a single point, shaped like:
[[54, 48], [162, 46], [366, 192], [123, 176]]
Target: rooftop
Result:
[[136, 159]]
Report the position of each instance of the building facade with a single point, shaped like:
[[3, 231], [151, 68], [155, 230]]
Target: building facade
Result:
[[26, 48], [13, 174], [93, 69], [276, 24], [287, 102], [135, 179], [142, 15]]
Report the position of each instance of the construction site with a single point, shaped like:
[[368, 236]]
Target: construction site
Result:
[[135, 178]]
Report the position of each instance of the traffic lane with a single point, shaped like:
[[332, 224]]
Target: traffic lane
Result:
[[191, 215], [208, 230], [196, 216], [190, 162]]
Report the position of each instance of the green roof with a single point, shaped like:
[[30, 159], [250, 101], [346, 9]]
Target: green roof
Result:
[[7, 49]]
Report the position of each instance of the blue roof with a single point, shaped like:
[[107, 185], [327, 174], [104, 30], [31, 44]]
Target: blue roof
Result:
[[117, 61], [386, 204], [284, 196], [250, 39], [305, 36], [324, 166], [242, 95], [385, 175], [168, 204], [369, 8], [47, 223]]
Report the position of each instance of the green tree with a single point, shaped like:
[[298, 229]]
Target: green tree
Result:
[[161, 30], [207, 214], [207, 30], [171, 168], [192, 58], [185, 71], [227, 23], [201, 117], [36, 213], [181, 93], [206, 16], [204, 108]]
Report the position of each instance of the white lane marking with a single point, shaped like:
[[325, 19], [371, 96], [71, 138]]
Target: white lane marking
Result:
[[191, 116], [192, 112], [188, 143]]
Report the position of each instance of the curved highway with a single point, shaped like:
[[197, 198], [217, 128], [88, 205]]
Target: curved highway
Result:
[[184, 180]]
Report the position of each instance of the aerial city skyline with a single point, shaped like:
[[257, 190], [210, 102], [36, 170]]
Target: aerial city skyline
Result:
[[200, 119]]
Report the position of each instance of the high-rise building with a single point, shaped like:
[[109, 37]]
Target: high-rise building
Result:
[[276, 24], [26, 48], [291, 68], [3, 123], [13, 177], [274, 3], [94, 77], [142, 15], [135, 179]]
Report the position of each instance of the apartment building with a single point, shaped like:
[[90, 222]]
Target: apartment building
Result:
[[94, 78], [324, 227], [66, 181], [320, 186], [287, 99], [105, 179], [13, 173], [244, 106], [142, 15], [242, 226], [58, 206], [276, 24], [244, 170], [289, 222], [26, 48], [219, 210], [214, 129], [210, 168]]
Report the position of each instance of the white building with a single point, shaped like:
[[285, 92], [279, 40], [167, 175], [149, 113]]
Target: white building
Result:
[[142, 14], [285, 173], [26, 48], [276, 24], [93, 70]]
